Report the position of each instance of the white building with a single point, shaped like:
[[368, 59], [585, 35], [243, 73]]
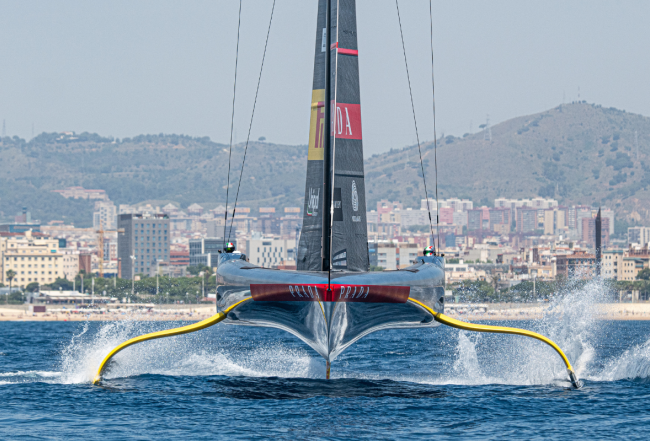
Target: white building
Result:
[[513, 204], [33, 259], [455, 203], [387, 255], [267, 251], [410, 217], [70, 264]]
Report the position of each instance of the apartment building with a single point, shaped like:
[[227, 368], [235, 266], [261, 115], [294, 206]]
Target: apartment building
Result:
[[70, 264], [105, 215], [625, 264], [33, 259]]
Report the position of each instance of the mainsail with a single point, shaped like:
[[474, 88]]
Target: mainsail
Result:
[[340, 150]]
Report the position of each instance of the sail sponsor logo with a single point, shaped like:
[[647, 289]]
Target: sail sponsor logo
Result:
[[312, 204], [346, 121], [317, 125], [336, 293], [355, 197]]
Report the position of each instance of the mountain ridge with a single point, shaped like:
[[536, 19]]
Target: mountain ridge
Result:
[[578, 153]]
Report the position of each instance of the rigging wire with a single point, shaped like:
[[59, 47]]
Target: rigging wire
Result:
[[250, 126], [435, 136], [426, 193], [232, 124]]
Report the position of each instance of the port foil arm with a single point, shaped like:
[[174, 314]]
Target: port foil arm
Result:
[[446, 320], [166, 333]]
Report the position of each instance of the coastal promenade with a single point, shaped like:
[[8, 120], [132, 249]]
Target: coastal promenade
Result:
[[110, 313], [466, 312]]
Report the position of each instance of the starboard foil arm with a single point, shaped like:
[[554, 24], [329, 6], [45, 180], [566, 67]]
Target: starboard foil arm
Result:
[[446, 320], [166, 333]]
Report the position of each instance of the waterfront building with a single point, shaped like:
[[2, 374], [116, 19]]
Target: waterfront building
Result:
[[32, 258]]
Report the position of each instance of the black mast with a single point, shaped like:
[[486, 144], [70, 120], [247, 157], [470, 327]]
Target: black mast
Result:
[[327, 159]]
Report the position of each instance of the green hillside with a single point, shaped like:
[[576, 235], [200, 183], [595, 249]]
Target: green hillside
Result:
[[147, 167], [577, 153]]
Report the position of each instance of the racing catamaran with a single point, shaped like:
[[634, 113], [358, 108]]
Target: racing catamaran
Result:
[[332, 300]]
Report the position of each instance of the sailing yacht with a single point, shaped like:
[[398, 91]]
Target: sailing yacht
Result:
[[332, 299]]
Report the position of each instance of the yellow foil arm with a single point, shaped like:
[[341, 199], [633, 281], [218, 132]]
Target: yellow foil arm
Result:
[[167, 333], [446, 320]]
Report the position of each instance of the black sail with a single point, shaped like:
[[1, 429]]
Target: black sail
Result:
[[309, 248], [349, 232], [349, 242]]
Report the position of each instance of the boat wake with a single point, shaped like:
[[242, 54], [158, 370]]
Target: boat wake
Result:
[[572, 322]]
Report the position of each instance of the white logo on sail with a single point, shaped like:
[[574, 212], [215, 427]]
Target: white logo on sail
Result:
[[312, 205], [355, 197]]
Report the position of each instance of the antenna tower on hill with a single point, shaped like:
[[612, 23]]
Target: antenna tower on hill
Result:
[[487, 133]]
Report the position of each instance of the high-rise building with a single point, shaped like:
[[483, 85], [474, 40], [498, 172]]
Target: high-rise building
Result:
[[609, 214], [144, 244], [638, 235], [474, 219], [500, 219], [589, 231], [526, 220], [105, 214]]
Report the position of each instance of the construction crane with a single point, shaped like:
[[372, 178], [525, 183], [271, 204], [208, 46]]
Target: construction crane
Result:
[[100, 244]]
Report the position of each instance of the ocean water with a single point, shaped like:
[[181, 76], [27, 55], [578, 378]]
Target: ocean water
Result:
[[229, 382]]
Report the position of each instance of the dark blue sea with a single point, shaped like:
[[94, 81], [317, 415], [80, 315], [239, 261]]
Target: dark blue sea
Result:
[[229, 382]]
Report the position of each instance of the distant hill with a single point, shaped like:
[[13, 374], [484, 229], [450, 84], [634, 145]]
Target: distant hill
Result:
[[577, 153], [147, 167]]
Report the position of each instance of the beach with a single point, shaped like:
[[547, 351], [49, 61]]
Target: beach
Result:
[[468, 312], [110, 313]]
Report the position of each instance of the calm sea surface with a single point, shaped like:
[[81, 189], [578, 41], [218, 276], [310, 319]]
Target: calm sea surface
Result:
[[230, 382]]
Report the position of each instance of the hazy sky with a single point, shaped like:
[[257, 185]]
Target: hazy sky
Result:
[[123, 68]]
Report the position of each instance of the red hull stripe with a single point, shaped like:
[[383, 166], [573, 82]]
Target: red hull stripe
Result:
[[338, 293], [343, 51]]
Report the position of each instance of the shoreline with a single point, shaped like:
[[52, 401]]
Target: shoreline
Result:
[[501, 312], [20, 313]]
